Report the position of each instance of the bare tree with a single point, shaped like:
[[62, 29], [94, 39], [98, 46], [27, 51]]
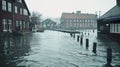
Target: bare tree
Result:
[[35, 19]]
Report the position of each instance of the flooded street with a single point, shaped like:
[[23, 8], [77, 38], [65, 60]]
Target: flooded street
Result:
[[56, 49]]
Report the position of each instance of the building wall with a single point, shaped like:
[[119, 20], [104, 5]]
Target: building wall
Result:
[[79, 23], [115, 28], [18, 20]]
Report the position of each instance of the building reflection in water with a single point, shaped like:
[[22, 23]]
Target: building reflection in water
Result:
[[12, 49]]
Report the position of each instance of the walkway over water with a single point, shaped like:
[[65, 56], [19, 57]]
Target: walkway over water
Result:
[[56, 49]]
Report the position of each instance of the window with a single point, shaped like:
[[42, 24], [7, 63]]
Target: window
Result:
[[27, 24], [88, 21], [20, 1], [119, 28], [9, 7], [74, 20], [85, 20], [21, 11], [91, 20], [115, 28], [21, 25], [16, 9], [79, 20], [25, 12], [4, 5], [10, 25], [24, 24], [5, 26], [17, 23], [112, 27]]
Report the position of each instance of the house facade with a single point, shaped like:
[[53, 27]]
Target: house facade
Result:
[[109, 23], [49, 24], [14, 16], [78, 20]]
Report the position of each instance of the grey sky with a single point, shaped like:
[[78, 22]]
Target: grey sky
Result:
[[54, 8]]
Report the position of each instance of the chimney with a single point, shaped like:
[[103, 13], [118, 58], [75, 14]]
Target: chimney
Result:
[[118, 2], [78, 12]]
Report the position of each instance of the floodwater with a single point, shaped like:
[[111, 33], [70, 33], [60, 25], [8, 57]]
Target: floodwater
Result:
[[56, 49]]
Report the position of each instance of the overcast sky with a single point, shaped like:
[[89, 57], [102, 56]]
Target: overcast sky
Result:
[[54, 8]]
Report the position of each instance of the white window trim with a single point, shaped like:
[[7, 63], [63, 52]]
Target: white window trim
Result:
[[9, 7], [4, 22], [10, 25], [4, 4]]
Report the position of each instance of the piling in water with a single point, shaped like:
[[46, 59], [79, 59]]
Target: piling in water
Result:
[[109, 56], [81, 40], [74, 35], [78, 37], [94, 47], [87, 43]]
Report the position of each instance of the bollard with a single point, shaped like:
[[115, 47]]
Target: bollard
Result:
[[109, 56], [82, 33], [87, 43], [78, 38], [93, 31], [81, 40], [88, 34], [94, 47], [71, 34], [74, 35]]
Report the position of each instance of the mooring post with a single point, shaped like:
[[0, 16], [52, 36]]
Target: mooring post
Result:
[[88, 34], [87, 43], [94, 47], [109, 56], [71, 34], [93, 31], [81, 40], [78, 37]]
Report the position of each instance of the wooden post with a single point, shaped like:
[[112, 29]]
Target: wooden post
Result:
[[71, 34], [109, 56], [94, 47], [81, 40], [87, 43], [74, 35], [88, 34], [78, 38]]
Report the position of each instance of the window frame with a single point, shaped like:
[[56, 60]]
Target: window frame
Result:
[[9, 7], [4, 5]]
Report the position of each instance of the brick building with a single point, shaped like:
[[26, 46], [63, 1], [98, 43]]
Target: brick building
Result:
[[78, 20], [14, 16]]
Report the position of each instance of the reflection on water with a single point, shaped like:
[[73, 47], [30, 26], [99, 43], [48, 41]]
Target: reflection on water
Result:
[[13, 48], [56, 49]]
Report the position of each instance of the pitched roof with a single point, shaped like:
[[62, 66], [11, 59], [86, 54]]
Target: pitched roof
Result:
[[24, 3], [113, 12], [26, 6], [78, 16], [48, 21]]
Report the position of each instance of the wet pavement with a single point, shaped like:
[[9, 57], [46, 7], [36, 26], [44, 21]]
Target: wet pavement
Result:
[[56, 49]]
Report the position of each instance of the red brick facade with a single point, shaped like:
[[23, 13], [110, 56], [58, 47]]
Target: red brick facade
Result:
[[14, 15]]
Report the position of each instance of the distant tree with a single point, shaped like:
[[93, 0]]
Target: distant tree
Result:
[[35, 19]]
